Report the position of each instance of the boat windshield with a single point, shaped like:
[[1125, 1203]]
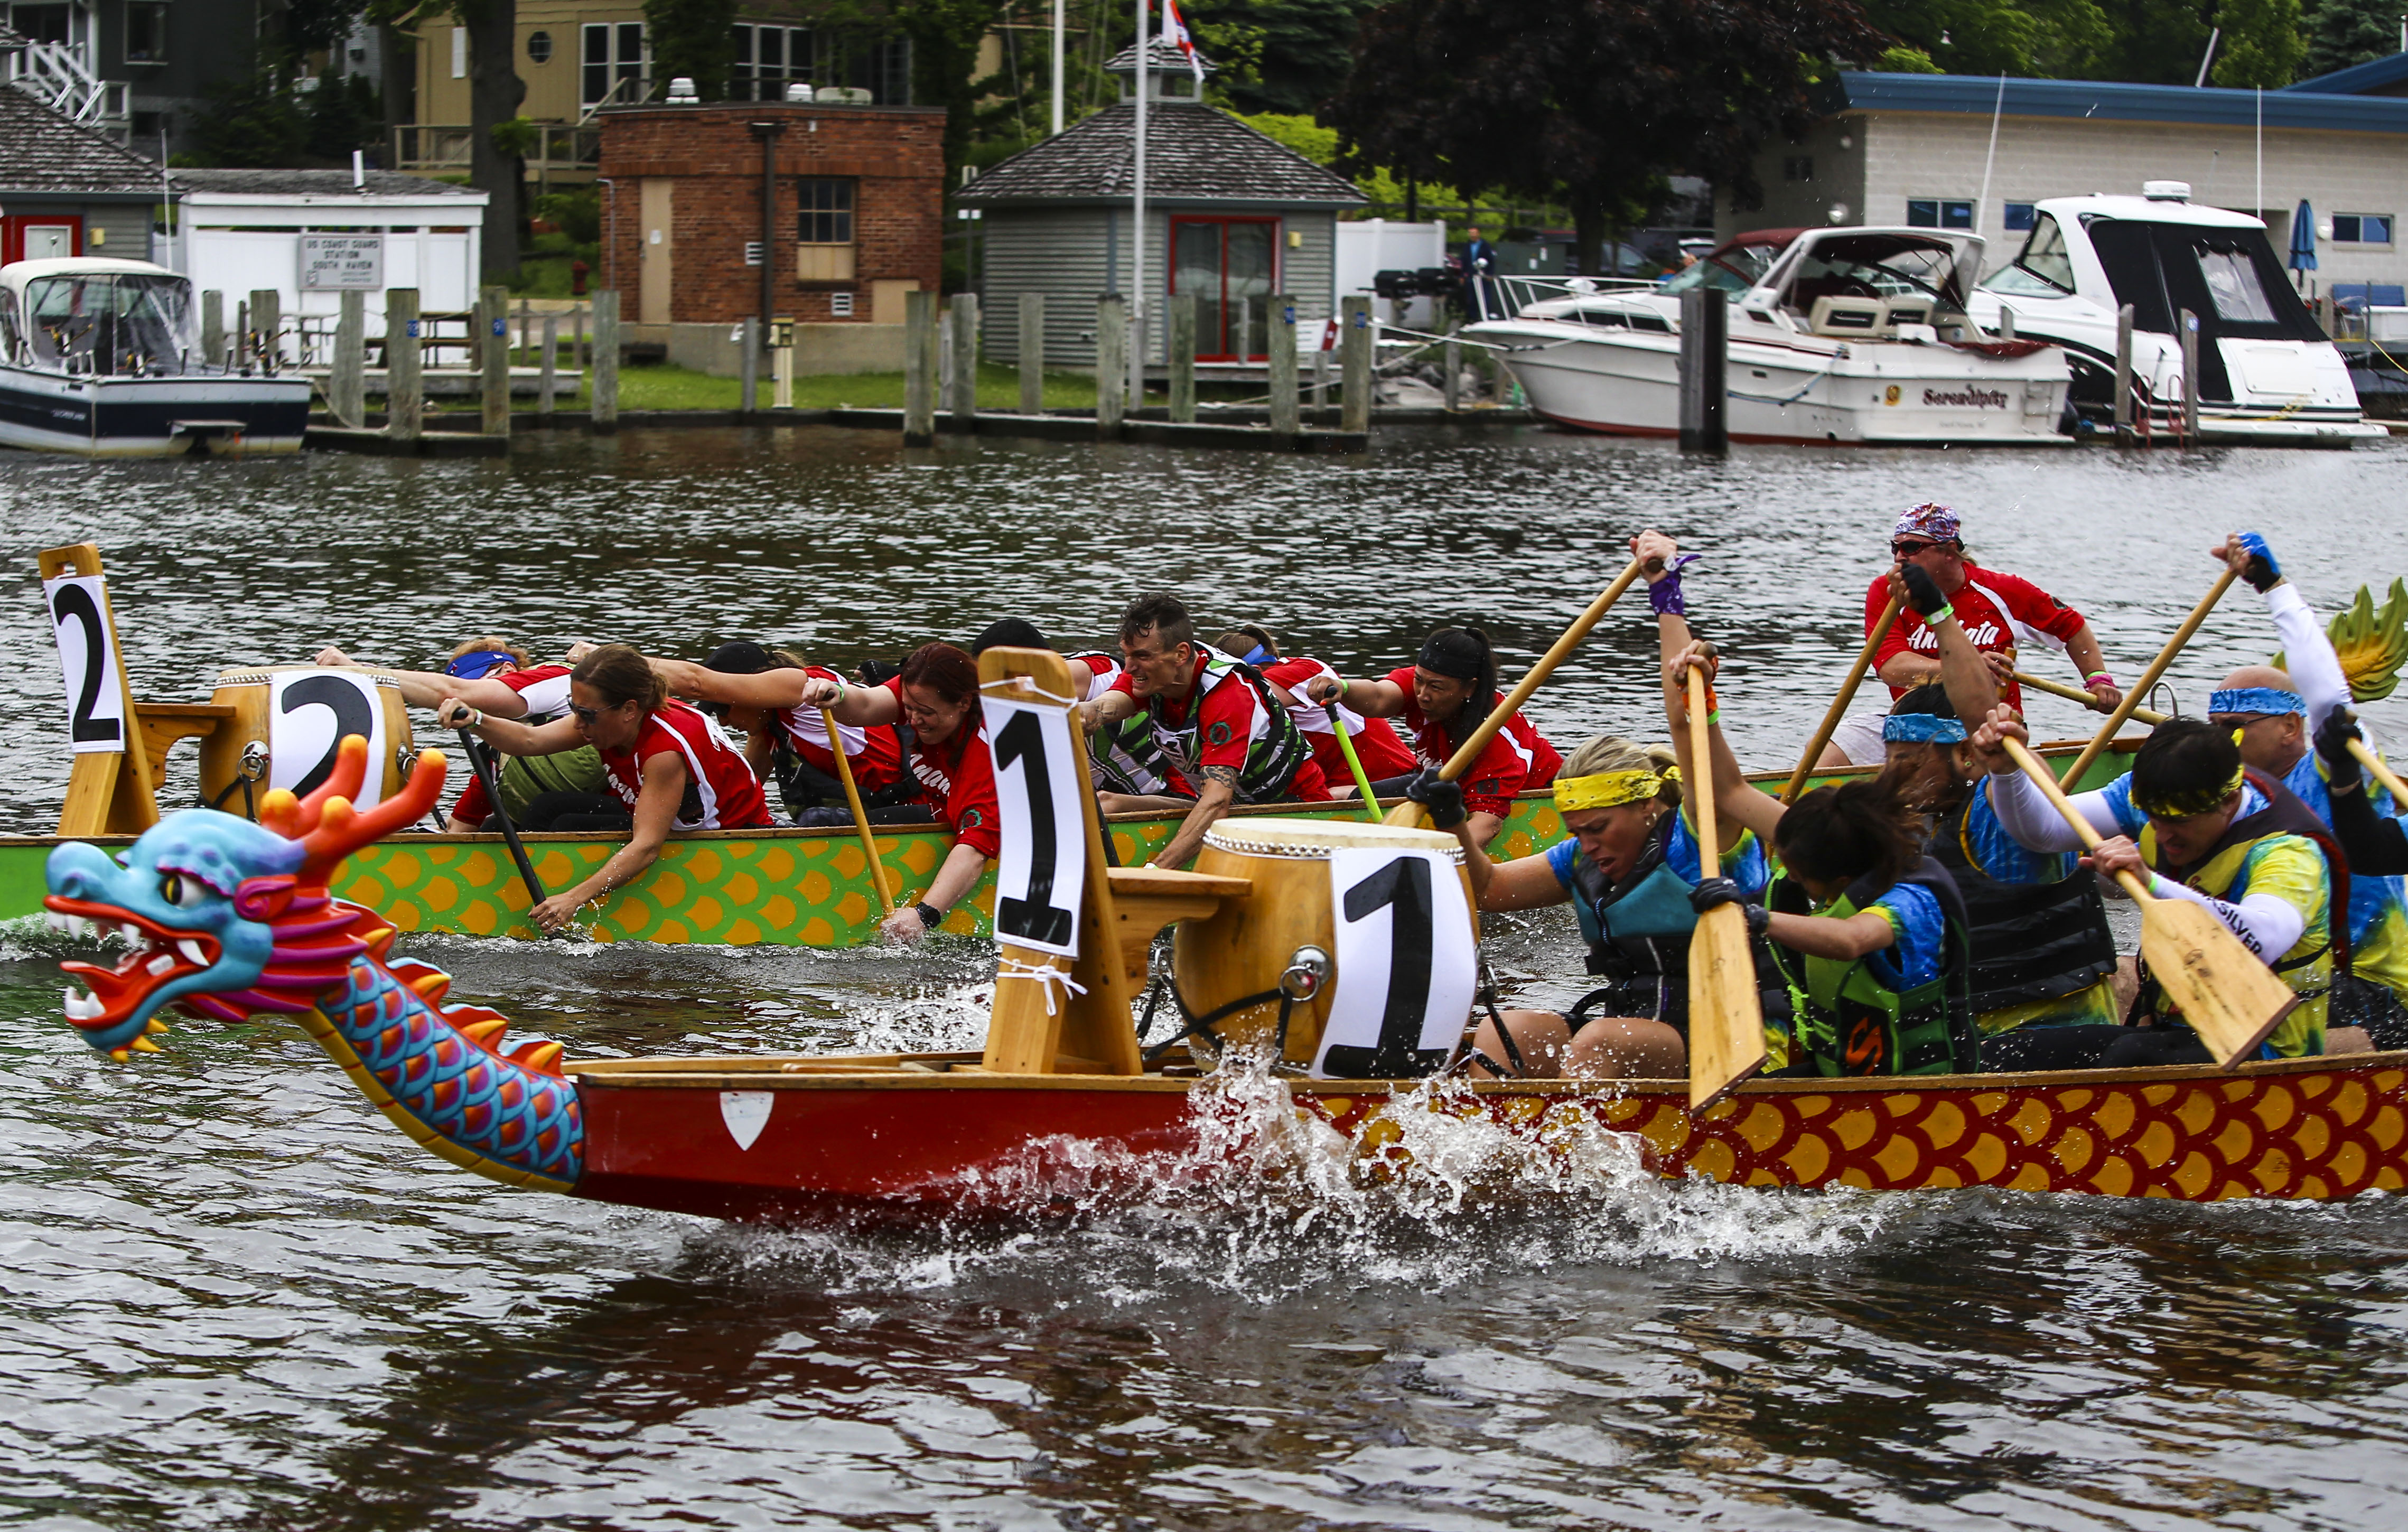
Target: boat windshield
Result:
[[2044, 270], [116, 323], [1732, 270], [1873, 266]]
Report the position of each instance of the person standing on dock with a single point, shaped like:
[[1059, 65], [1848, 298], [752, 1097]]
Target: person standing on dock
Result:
[[1226, 736], [937, 695], [2000, 613], [1442, 697], [2271, 715], [1479, 271]]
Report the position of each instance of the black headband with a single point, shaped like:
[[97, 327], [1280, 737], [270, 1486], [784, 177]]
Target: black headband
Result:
[[1454, 655]]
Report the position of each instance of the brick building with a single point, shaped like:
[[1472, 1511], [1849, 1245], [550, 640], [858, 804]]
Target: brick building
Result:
[[858, 222]]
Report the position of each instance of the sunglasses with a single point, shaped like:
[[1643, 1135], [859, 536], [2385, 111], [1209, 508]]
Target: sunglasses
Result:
[[585, 715], [1908, 550]]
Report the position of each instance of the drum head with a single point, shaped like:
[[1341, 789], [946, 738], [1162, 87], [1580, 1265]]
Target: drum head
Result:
[[1315, 838]]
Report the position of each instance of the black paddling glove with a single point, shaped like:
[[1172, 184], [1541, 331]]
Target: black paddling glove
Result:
[[1714, 892], [1921, 591], [1443, 798], [2333, 738]]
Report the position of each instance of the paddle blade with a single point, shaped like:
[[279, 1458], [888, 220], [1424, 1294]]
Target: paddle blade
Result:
[[2231, 999], [1726, 1013], [1410, 816]]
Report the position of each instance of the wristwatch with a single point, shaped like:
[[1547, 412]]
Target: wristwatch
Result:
[[929, 915]]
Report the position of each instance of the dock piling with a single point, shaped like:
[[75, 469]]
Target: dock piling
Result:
[[919, 368], [549, 377], [2124, 434], [347, 382], [1452, 387], [748, 340], [1354, 339], [1032, 353], [493, 360], [405, 384], [1282, 345], [267, 319], [605, 403], [965, 357], [1111, 364], [1182, 358], [2188, 325], [1705, 355], [213, 338]]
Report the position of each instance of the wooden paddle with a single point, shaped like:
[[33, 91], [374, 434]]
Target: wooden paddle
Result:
[[2381, 773], [2231, 998], [2075, 694], [1839, 708], [482, 763], [1354, 764], [2132, 702], [860, 815], [1410, 814], [1726, 1013]]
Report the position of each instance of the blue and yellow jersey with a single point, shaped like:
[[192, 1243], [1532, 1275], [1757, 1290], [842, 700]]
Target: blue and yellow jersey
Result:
[[2378, 907], [1744, 864], [1922, 929]]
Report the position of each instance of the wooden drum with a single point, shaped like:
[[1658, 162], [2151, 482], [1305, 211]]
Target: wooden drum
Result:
[[288, 721], [1244, 948]]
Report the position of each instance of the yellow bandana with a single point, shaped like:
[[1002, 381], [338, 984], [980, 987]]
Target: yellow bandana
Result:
[[1610, 789], [2187, 806]]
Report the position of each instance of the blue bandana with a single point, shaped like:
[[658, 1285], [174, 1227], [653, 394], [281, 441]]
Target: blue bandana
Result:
[[2256, 699], [1257, 656], [1921, 729], [480, 663]]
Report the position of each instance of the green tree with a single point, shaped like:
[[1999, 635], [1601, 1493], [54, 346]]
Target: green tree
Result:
[[1306, 49], [2025, 37], [345, 114], [2262, 44], [253, 122], [1590, 101], [494, 92], [2342, 34], [2155, 42], [695, 38]]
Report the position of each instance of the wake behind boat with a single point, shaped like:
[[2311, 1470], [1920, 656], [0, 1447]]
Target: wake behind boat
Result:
[[1853, 336], [102, 359]]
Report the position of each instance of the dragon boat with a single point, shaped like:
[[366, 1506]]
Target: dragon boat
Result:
[[1334, 962]]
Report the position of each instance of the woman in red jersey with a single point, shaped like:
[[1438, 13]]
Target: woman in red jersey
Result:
[[665, 763], [760, 691]]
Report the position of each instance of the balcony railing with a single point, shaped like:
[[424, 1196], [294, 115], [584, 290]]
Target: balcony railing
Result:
[[566, 149], [55, 74]]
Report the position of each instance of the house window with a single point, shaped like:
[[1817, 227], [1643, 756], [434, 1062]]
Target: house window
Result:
[[616, 60], [823, 229], [1798, 168], [2019, 217], [146, 33], [40, 24], [1231, 266], [890, 65], [539, 47], [1938, 213], [2361, 228], [767, 59]]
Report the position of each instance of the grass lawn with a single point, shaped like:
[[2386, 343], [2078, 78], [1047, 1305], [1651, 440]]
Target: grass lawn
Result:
[[664, 387]]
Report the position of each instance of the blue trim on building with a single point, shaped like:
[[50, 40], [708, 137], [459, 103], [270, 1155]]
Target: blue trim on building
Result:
[[1974, 94], [2358, 79]]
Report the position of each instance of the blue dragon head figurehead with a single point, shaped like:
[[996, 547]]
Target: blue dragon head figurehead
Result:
[[223, 917]]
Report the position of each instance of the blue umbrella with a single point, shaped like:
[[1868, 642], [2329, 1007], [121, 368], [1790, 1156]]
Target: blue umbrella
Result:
[[2303, 238]]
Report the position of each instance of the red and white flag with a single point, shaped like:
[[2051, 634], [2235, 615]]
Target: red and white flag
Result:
[[1174, 31]]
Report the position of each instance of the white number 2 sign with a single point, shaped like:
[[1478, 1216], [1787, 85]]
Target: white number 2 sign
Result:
[[1407, 972], [1042, 867], [88, 658]]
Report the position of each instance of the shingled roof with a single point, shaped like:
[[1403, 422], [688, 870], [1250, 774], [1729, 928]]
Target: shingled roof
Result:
[[1167, 59], [43, 154], [1193, 153]]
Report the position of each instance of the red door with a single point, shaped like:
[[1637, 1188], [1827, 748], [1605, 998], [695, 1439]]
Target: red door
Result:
[[1231, 265], [37, 237]]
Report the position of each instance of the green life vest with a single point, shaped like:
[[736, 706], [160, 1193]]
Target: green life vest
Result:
[[1275, 751], [1847, 1021], [524, 778]]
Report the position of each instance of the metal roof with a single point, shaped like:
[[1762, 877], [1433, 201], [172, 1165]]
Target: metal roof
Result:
[[2363, 79], [44, 155], [320, 183], [1193, 153], [1870, 90]]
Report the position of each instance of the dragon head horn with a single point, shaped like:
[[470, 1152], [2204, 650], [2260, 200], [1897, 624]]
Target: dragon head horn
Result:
[[326, 824]]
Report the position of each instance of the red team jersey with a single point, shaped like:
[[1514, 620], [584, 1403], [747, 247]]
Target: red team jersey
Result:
[[721, 792], [1997, 612], [957, 780], [1229, 719], [1517, 760], [1376, 745], [544, 689], [875, 753]]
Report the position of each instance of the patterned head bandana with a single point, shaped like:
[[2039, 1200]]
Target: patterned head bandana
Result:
[[2255, 699], [1921, 729], [1930, 520], [2188, 805], [1610, 789]]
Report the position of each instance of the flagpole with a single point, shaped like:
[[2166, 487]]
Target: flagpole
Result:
[[1136, 233], [1058, 64]]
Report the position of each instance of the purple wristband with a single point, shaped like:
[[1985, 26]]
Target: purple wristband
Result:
[[1664, 596]]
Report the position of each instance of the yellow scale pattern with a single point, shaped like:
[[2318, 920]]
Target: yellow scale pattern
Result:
[[2316, 1135]]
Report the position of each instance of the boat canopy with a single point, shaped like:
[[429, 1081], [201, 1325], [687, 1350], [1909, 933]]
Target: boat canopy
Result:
[[102, 318], [1736, 265]]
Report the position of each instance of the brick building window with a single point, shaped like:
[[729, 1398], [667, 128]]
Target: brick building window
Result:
[[823, 229], [767, 59], [615, 58]]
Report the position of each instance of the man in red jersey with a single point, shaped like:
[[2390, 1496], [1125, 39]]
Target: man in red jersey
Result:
[[2000, 613]]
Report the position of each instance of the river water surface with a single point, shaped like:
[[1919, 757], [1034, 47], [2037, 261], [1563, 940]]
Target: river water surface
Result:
[[232, 1295]]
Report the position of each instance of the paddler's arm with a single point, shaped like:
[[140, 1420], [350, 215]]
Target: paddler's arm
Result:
[[507, 735], [780, 688], [1739, 804], [2024, 811], [1100, 713], [1527, 882], [1820, 935], [427, 688], [1220, 791], [865, 705], [955, 877], [1973, 687], [2308, 657], [656, 808], [1371, 698], [1659, 560], [2087, 657]]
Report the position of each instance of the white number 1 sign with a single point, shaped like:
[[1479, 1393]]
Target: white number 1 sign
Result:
[[1407, 970], [1043, 865]]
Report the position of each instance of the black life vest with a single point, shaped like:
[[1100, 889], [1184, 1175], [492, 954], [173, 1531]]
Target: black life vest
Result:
[[2030, 941]]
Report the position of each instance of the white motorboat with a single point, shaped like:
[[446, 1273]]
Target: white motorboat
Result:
[[2267, 374], [100, 358], [1849, 336]]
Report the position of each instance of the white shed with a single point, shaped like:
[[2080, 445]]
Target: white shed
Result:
[[310, 233]]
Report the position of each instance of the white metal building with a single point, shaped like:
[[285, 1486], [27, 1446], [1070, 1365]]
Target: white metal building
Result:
[[309, 234]]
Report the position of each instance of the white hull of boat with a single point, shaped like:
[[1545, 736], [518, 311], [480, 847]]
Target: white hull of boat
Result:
[[48, 411]]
